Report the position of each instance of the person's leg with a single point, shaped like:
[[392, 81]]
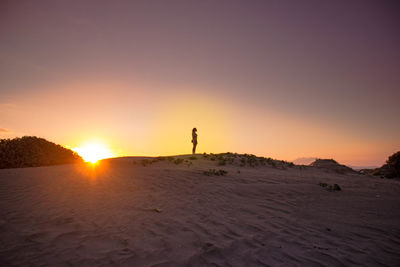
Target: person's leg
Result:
[[194, 148]]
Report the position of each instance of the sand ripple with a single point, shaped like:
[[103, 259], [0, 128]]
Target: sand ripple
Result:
[[169, 215]]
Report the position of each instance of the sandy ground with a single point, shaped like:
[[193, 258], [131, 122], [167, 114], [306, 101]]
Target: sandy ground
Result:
[[124, 214]]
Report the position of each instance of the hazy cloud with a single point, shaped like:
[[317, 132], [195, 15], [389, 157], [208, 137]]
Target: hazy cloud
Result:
[[2, 130]]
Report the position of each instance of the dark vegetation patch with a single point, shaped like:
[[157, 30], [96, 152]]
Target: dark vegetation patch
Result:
[[221, 162], [178, 161], [247, 160], [145, 162], [330, 188], [158, 159], [323, 184], [230, 158], [32, 151], [391, 169], [219, 172]]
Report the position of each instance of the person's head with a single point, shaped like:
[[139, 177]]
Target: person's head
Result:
[[194, 130]]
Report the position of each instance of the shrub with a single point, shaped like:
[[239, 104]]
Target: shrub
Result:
[[336, 187], [393, 164], [32, 151], [331, 188], [192, 158], [178, 161], [323, 184], [145, 162], [219, 172], [251, 160], [222, 162]]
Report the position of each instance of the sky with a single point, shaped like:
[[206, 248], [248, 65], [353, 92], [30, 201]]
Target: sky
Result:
[[282, 79]]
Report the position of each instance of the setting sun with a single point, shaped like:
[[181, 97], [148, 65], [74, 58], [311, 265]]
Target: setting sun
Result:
[[93, 152]]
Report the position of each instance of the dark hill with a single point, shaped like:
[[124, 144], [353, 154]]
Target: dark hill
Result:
[[391, 169], [332, 165], [31, 151]]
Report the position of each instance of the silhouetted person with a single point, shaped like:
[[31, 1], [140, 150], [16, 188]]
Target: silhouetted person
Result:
[[194, 140]]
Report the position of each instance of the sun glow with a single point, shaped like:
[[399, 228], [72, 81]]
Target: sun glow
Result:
[[93, 152]]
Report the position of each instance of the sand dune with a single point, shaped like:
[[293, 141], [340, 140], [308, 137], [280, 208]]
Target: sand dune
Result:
[[167, 214]]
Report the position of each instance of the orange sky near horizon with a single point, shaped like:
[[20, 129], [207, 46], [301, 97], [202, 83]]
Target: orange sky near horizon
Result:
[[130, 126], [278, 79]]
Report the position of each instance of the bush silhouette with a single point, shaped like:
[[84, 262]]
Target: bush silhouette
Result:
[[178, 161], [393, 163], [391, 169], [323, 184], [145, 162], [32, 151], [219, 172], [336, 187], [221, 162], [330, 188]]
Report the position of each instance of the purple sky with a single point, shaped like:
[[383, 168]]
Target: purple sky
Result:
[[332, 64]]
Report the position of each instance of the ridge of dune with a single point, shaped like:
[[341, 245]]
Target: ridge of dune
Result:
[[332, 165], [180, 210]]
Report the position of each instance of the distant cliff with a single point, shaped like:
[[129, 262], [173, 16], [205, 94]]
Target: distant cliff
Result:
[[31, 151]]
